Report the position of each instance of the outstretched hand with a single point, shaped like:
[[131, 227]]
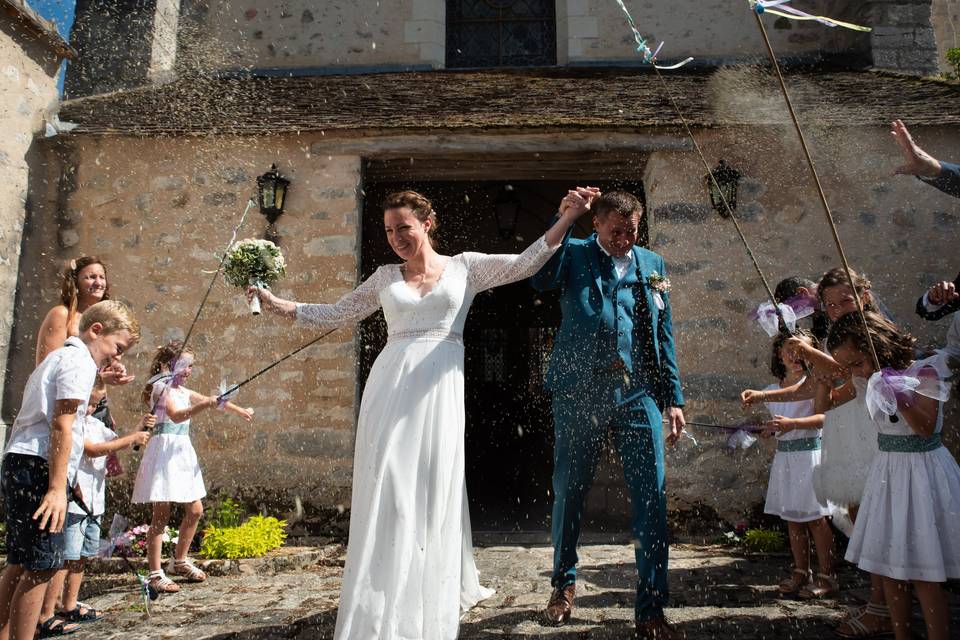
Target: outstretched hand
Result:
[[917, 161]]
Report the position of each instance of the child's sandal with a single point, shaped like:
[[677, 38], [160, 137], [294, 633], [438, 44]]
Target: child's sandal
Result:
[[792, 585], [187, 569], [56, 626], [77, 614], [816, 591], [160, 583], [855, 628]]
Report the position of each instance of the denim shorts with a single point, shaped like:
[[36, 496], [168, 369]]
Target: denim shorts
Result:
[[24, 481], [82, 537]]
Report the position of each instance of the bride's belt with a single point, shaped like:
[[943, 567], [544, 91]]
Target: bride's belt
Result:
[[427, 334]]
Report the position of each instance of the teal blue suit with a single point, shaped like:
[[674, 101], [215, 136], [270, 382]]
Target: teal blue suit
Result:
[[613, 369]]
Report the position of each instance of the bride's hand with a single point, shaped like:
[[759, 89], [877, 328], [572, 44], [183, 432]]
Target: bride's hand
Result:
[[267, 299]]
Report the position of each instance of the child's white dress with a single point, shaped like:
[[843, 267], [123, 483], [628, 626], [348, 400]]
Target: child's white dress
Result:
[[790, 492], [849, 446], [169, 470], [908, 526]]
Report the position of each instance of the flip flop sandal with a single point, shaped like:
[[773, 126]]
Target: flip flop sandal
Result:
[[78, 615], [56, 626]]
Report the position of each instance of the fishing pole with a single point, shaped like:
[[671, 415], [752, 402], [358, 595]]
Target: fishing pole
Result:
[[196, 316], [228, 392], [816, 180]]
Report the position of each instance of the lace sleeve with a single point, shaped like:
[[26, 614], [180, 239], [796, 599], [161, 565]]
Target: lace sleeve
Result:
[[354, 306], [488, 271]]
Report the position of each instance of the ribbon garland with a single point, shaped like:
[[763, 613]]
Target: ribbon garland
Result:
[[784, 11], [650, 57]]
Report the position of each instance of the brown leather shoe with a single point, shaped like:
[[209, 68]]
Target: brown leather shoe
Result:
[[657, 629], [560, 606]]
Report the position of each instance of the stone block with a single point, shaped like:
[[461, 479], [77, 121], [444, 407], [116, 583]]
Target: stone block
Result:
[[426, 9], [68, 238], [684, 212], [167, 183], [316, 443], [716, 386], [434, 53], [423, 31], [885, 58], [220, 199], [583, 27], [331, 246]]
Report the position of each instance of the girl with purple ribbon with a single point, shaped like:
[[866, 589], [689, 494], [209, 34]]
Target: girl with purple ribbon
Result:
[[849, 443], [790, 492], [169, 471], [910, 512]]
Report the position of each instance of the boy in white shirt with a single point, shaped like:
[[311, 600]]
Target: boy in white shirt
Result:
[[82, 532], [43, 453]]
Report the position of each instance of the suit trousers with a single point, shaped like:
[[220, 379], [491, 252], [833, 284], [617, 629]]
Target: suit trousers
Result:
[[583, 418]]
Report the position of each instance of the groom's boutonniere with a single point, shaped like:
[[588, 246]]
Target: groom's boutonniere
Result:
[[659, 285]]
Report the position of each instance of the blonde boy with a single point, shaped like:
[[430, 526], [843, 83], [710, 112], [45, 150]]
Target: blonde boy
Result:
[[43, 452]]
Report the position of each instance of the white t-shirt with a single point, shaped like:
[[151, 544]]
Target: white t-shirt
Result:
[[68, 373], [92, 474]]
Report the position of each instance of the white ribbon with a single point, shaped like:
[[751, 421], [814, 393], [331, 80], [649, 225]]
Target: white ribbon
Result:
[[885, 387]]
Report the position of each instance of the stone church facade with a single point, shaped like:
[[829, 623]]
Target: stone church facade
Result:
[[478, 108]]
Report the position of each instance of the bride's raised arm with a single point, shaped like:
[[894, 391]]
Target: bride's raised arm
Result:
[[352, 307], [488, 271]]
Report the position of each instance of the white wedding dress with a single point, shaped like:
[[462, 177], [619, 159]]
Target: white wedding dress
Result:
[[410, 571]]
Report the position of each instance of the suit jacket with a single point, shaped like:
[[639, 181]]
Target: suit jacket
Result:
[[945, 310], [575, 269], [949, 179]]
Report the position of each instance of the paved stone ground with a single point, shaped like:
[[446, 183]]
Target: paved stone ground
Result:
[[292, 595]]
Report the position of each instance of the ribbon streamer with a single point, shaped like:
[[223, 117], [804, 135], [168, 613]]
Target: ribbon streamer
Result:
[[224, 396], [740, 439], [792, 309], [650, 57], [887, 388], [788, 12]]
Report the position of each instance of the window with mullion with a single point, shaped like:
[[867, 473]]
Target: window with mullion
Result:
[[501, 33]]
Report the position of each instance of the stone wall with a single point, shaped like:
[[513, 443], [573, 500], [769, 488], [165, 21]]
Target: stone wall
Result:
[[903, 37], [157, 210], [28, 87], [945, 18]]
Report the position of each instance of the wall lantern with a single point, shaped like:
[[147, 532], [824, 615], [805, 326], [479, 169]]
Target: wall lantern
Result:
[[728, 179], [506, 208], [271, 193]]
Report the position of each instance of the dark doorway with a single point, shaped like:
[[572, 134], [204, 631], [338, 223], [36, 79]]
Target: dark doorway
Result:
[[508, 334]]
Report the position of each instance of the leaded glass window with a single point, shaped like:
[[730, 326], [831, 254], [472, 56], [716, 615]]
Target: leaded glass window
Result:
[[498, 33]]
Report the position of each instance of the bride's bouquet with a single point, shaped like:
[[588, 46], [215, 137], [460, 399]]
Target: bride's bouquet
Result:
[[253, 262]]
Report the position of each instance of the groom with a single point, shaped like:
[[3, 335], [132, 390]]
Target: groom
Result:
[[612, 370]]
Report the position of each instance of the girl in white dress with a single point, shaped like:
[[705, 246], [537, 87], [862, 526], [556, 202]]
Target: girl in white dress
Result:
[[906, 529], [410, 571], [169, 471], [790, 492], [849, 442]]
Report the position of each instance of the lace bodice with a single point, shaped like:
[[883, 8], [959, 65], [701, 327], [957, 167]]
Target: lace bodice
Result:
[[442, 310]]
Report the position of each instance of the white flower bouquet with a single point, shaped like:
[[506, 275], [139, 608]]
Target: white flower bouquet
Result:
[[253, 262]]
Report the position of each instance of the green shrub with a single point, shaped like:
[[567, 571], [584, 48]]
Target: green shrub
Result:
[[252, 539], [226, 512], [953, 57], [763, 540]]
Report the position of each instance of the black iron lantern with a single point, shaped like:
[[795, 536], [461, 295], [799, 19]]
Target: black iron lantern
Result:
[[506, 208], [272, 193], [728, 181]]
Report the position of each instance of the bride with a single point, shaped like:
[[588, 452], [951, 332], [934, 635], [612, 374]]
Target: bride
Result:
[[410, 571]]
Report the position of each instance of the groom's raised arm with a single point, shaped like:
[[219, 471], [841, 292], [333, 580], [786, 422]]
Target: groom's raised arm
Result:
[[671, 394], [553, 274]]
